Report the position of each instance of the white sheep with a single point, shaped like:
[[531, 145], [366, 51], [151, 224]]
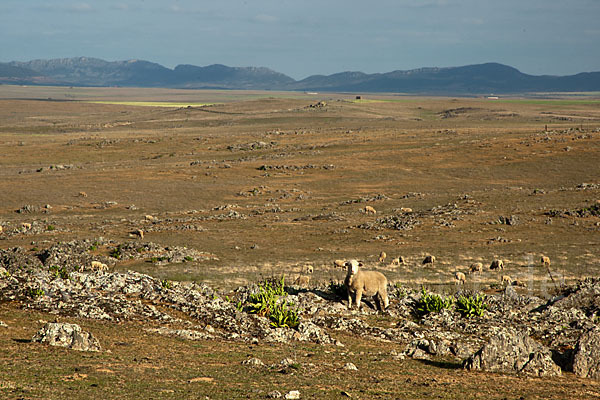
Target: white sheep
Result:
[[369, 210], [382, 257], [476, 267], [406, 210], [309, 269], [82, 194], [368, 283], [506, 279], [460, 278], [95, 266], [429, 260], [398, 260], [1, 228], [339, 263], [497, 264], [26, 225], [139, 233], [545, 260]]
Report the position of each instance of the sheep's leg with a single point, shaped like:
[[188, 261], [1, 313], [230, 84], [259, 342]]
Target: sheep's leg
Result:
[[358, 297], [349, 299]]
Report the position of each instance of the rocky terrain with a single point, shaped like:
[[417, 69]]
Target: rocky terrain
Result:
[[515, 334]]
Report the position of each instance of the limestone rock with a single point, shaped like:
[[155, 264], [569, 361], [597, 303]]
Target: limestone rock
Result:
[[67, 335], [512, 352], [586, 363]]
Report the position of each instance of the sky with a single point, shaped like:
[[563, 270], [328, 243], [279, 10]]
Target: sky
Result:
[[305, 37]]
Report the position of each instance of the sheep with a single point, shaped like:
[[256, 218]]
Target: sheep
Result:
[[545, 261], [26, 225], [1, 228], [506, 279], [302, 280], [149, 218], [369, 210], [429, 260], [476, 267], [460, 278], [382, 257], [398, 260], [309, 269], [406, 210], [138, 232], [497, 264], [339, 263], [520, 283], [95, 266], [368, 283], [82, 194]]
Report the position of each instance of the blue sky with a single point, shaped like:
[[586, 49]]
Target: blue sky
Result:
[[306, 37]]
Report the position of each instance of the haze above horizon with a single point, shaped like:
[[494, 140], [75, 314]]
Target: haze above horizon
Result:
[[300, 39]]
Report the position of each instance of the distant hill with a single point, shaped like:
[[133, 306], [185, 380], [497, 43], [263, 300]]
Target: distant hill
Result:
[[470, 79]]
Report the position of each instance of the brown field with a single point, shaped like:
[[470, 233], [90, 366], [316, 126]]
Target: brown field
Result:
[[264, 183]]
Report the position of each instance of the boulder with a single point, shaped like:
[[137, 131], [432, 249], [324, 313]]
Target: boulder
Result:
[[67, 335], [586, 363], [512, 352]]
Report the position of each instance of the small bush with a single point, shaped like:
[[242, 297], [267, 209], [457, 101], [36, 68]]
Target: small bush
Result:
[[50, 228], [116, 252], [59, 272], [34, 293], [188, 258], [266, 303], [429, 303], [470, 306], [166, 284]]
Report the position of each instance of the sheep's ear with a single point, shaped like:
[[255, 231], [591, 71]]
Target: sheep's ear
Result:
[[360, 264]]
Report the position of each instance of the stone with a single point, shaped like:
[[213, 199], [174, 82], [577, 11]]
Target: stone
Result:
[[586, 362], [512, 352], [253, 362], [67, 335], [293, 394], [350, 367]]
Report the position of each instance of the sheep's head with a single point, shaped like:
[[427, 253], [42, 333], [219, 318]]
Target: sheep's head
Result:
[[353, 266]]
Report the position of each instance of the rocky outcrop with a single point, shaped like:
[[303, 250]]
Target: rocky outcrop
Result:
[[586, 363], [67, 335], [512, 352]]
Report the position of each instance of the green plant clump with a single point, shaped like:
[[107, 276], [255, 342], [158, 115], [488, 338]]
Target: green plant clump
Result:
[[470, 306], [188, 258], [266, 302], [166, 284], [50, 228], [116, 252], [59, 272], [35, 293], [429, 303]]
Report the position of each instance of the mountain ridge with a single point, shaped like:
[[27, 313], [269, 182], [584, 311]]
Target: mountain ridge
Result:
[[489, 77]]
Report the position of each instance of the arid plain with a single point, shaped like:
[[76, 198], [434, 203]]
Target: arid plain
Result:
[[264, 184]]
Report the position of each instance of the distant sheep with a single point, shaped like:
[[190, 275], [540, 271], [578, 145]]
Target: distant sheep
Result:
[[460, 278], [339, 263], [26, 225], [369, 210], [398, 260], [476, 267], [82, 194], [429, 260], [506, 279], [302, 280], [138, 232], [382, 257], [368, 283], [95, 266], [406, 210], [545, 261], [497, 264], [1, 228], [309, 269]]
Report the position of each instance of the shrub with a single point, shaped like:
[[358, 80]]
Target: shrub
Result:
[[116, 252], [188, 258], [166, 284], [35, 293], [59, 272], [470, 306], [429, 303], [266, 303], [50, 228]]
